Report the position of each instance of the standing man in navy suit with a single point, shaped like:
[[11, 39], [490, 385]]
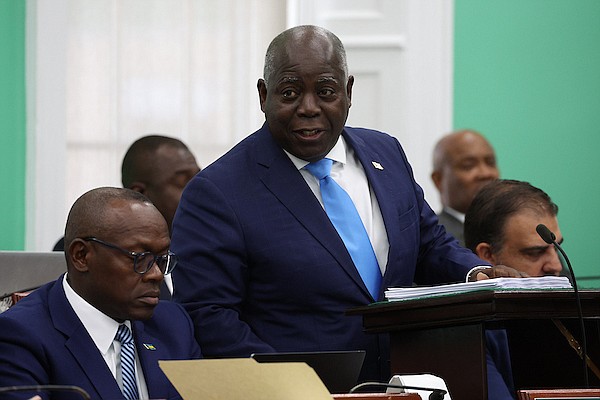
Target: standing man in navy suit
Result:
[[64, 332], [262, 267]]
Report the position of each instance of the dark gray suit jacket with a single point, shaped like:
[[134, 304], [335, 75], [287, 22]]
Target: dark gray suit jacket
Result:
[[453, 226]]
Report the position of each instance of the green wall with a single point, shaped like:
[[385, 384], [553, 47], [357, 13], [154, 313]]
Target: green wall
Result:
[[527, 75], [12, 124]]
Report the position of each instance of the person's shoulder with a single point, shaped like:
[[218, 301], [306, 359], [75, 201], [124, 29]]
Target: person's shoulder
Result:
[[384, 144], [169, 310], [367, 132], [448, 218], [168, 317], [31, 303], [234, 159], [443, 216], [370, 137], [30, 316]]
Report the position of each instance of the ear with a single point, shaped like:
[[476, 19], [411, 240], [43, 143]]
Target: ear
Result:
[[79, 254], [436, 177], [138, 187], [484, 251], [262, 93], [349, 86]]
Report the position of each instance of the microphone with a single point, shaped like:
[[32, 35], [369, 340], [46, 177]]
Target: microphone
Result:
[[546, 234], [436, 394], [549, 237], [47, 388]]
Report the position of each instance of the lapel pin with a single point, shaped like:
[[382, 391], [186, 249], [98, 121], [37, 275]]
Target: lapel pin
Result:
[[377, 165], [149, 346]]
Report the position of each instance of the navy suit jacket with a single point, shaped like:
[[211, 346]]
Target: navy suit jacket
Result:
[[262, 269], [42, 341]]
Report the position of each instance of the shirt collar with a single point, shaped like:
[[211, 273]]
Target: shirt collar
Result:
[[101, 328], [337, 154], [456, 214]]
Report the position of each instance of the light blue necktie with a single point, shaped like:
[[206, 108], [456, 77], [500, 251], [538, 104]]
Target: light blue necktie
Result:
[[125, 337], [346, 220]]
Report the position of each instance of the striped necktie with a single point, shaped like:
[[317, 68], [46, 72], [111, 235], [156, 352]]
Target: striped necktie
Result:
[[345, 218], [124, 336]]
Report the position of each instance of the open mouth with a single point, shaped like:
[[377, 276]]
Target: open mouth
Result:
[[308, 133]]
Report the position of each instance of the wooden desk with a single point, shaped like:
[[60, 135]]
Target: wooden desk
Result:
[[445, 336]]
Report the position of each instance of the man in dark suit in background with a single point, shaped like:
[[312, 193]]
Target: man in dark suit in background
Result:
[[463, 162], [159, 167], [64, 333], [263, 266]]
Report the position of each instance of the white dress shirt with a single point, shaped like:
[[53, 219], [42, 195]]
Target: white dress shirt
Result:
[[102, 329], [348, 172]]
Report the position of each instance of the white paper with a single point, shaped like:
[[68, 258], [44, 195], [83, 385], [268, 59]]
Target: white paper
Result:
[[534, 283]]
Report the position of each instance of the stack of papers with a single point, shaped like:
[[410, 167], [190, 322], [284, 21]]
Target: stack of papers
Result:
[[537, 283]]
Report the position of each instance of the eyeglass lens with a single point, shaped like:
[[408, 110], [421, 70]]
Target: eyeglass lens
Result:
[[145, 261]]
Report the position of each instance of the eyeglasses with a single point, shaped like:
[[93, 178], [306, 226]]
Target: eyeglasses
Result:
[[143, 262]]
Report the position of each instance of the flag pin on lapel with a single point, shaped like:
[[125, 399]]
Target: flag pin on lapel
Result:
[[149, 346], [377, 165]]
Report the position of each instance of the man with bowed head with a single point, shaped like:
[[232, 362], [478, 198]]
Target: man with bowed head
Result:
[[266, 263], [500, 227], [101, 326]]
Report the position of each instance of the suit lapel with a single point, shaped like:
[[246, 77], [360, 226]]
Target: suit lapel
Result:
[[150, 349], [279, 174], [381, 178], [81, 345]]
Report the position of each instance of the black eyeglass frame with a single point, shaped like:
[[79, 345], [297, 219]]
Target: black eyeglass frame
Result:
[[169, 260]]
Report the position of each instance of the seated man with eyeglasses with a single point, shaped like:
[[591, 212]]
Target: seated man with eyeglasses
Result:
[[101, 326]]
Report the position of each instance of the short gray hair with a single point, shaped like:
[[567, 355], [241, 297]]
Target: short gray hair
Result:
[[279, 42]]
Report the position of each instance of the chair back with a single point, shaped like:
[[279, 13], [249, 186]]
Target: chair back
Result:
[[21, 271]]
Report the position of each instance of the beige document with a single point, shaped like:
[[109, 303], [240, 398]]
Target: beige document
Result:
[[244, 379]]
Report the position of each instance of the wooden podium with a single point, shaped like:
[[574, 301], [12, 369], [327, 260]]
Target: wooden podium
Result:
[[445, 336]]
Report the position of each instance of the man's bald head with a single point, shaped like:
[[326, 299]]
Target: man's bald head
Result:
[[89, 214], [463, 162]]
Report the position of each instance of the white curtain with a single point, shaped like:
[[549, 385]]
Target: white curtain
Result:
[[103, 73]]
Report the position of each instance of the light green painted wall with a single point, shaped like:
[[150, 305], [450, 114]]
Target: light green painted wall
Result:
[[12, 124], [527, 75]]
